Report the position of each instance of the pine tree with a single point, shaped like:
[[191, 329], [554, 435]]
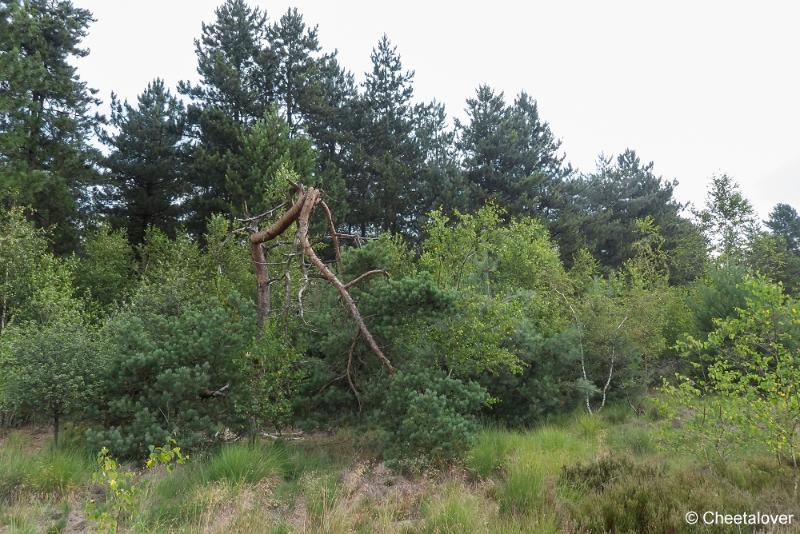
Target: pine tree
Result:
[[509, 154], [231, 63], [386, 155], [440, 184], [295, 49], [605, 206], [236, 88], [268, 150], [784, 222], [147, 163], [46, 160]]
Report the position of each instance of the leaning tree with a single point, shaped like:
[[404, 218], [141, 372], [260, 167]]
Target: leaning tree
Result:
[[298, 209]]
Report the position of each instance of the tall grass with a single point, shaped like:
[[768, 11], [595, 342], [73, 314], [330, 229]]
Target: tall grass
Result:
[[47, 471], [243, 463], [454, 508]]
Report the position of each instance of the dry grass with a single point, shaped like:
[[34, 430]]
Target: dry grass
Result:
[[510, 483]]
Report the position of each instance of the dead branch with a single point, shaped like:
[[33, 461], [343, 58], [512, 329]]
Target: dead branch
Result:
[[262, 285], [334, 236], [364, 276], [300, 211], [311, 199], [208, 394], [278, 227], [261, 216], [350, 369]]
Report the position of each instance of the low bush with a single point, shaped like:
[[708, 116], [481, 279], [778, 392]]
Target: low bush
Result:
[[426, 418]]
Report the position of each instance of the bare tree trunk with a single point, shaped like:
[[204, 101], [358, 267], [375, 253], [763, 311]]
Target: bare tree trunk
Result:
[[262, 284], [611, 366], [580, 347], [56, 424]]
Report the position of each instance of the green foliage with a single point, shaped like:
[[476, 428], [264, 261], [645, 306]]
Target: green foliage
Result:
[[22, 250], [122, 494], [784, 223], [168, 455], [748, 393], [46, 159], [270, 379], [124, 491], [107, 268], [171, 348], [605, 206], [728, 218], [52, 366], [510, 153], [257, 178], [147, 163], [425, 418], [770, 255], [388, 251]]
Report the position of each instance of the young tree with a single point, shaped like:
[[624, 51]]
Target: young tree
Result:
[[750, 390], [52, 360], [147, 176], [107, 268], [728, 218], [22, 247], [46, 160], [54, 369]]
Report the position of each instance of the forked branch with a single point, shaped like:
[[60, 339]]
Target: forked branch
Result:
[[300, 211]]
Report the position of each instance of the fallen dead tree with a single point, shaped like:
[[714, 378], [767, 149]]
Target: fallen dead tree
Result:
[[299, 209]]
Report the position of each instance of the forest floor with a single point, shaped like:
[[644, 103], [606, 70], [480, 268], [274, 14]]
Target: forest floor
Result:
[[612, 472]]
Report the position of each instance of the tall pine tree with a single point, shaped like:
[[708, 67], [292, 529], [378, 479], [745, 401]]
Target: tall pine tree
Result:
[[295, 50], [386, 155], [236, 88], [509, 154], [46, 117], [605, 206], [147, 163]]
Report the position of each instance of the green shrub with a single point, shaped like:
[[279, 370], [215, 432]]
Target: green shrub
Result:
[[426, 418], [169, 357], [269, 380]]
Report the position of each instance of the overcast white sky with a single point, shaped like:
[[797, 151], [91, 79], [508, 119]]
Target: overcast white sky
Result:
[[698, 87]]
